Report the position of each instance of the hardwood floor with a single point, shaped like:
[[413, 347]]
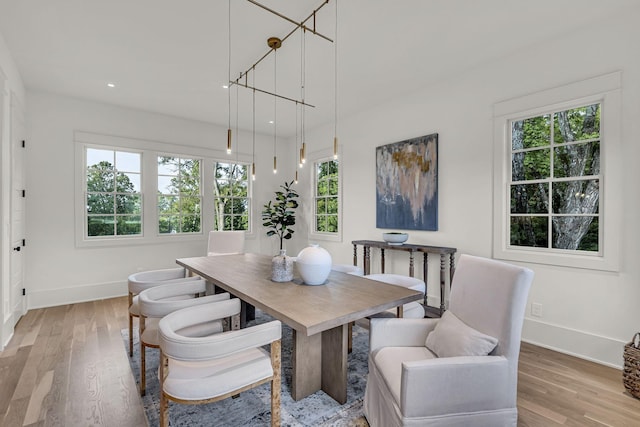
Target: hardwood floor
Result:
[[67, 366]]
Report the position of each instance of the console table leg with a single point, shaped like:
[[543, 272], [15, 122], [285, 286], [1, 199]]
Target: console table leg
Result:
[[411, 264], [382, 260], [367, 260], [355, 255], [442, 279], [425, 275]]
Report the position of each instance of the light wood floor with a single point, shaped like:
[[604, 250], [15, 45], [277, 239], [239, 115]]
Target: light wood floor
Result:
[[67, 366]]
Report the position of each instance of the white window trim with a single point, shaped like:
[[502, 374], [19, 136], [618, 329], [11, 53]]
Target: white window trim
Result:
[[150, 151], [316, 157], [605, 89]]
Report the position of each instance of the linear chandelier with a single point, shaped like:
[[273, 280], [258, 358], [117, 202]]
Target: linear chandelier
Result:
[[275, 43]]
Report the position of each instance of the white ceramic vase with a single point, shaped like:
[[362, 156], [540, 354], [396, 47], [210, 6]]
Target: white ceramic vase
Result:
[[282, 267], [314, 265]]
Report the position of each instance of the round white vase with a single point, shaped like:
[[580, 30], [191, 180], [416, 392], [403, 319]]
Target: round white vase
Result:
[[314, 265]]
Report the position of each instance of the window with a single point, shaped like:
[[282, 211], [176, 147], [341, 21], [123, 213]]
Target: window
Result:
[[113, 196], [179, 197], [141, 192], [231, 196], [557, 180], [326, 196]]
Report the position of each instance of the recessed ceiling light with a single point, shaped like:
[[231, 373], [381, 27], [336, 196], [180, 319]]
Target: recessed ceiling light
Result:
[[270, 122], [225, 86], [112, 85]]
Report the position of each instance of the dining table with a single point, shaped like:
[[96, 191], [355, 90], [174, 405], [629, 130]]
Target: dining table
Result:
[[319, 315]]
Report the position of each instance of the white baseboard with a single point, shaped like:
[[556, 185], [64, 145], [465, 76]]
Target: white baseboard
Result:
[[595, 348], [7, 332], [75, 294]]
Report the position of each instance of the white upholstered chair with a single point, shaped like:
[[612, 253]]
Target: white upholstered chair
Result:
[[157, 302], [208, 369], [225, 243], [412, 310], [348, 268], [140, 281], [428, 372]]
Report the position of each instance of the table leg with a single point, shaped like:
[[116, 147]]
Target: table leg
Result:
[[382, 260], [334, 362], [411, 264], [306, 357], [442, 280], [355, 255], [425, 276]]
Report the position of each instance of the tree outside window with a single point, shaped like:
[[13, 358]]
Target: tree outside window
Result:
[[113, 199], [326, 196], [231, 196], [179, 196], [555, 180]]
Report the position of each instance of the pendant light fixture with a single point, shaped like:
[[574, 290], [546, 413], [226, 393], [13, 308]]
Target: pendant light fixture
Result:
[[335, 86], [274, 44], [229, 88]]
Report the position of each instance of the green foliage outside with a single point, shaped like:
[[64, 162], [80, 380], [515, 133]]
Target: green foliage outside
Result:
[[179, 198], [231, 196], [555, 179], [326, 200], [113, 206]]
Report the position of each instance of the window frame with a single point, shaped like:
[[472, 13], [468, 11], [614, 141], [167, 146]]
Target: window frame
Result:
[[180, 195], [314, 160], [249, 191], [114, 193], [604, 90], [150, 150]]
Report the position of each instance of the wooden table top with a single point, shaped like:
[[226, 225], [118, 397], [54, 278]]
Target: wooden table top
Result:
[[308, 309]]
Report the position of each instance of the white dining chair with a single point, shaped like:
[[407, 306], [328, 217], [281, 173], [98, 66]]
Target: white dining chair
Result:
[[157, 302], [142, 280], [208, 369]]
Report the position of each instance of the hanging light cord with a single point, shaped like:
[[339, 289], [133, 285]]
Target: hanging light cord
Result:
[[335, 93]]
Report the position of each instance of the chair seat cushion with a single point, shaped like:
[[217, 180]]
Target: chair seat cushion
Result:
[[452, 337], [388, 361], [213, 378], [134, 308]]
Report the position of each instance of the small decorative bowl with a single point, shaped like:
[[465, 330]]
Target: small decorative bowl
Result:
[[395, 238]]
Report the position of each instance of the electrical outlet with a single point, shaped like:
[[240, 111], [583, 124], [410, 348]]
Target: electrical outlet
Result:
[[536, 309]]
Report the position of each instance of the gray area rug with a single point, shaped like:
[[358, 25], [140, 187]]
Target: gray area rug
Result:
[[252, 408]]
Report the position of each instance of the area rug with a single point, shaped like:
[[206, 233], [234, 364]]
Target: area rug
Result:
[[252, 408]]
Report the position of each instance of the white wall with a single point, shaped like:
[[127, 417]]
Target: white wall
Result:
[[585, 312], [11, 88], [58, 272]]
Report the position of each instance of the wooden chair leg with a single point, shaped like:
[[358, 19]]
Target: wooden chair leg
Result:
[[130, 299], [350, 338], [143, 374], [275, 383], [164, 402]]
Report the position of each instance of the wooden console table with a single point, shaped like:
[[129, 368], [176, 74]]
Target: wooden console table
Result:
[[444, 252]]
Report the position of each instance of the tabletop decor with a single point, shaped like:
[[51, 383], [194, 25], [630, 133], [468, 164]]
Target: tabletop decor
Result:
[[407, 184], [395, 238], [314, 264], [279, 217]]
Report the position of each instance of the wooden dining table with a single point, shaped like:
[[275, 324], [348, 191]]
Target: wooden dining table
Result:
[[319, 315]]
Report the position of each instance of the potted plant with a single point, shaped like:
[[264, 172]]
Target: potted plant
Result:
[[279, 217]]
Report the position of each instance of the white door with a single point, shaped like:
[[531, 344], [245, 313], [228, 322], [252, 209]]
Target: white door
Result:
[[18, 193]]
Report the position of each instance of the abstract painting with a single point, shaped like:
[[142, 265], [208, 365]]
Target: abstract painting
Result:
[[407, 184]]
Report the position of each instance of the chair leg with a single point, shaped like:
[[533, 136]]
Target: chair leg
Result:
[[143, 374], [130, 299], [143, 367], [275, 383], [164, 402], [130, 335]]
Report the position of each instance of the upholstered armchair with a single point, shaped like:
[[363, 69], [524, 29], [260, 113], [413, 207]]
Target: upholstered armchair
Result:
[[207, 369], [461, 369], [159, 301], [142, 280]]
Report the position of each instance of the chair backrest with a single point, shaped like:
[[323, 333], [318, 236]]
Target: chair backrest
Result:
[[348, 268], [399, 280], [225, 242], [491, 297]]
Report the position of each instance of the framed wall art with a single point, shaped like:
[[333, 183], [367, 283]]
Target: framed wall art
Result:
[[407, 184]]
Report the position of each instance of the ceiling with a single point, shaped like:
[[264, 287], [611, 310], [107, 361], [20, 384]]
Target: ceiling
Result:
[[172, 57]]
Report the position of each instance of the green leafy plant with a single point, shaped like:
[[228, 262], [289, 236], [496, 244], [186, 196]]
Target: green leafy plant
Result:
[[279, 215]]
